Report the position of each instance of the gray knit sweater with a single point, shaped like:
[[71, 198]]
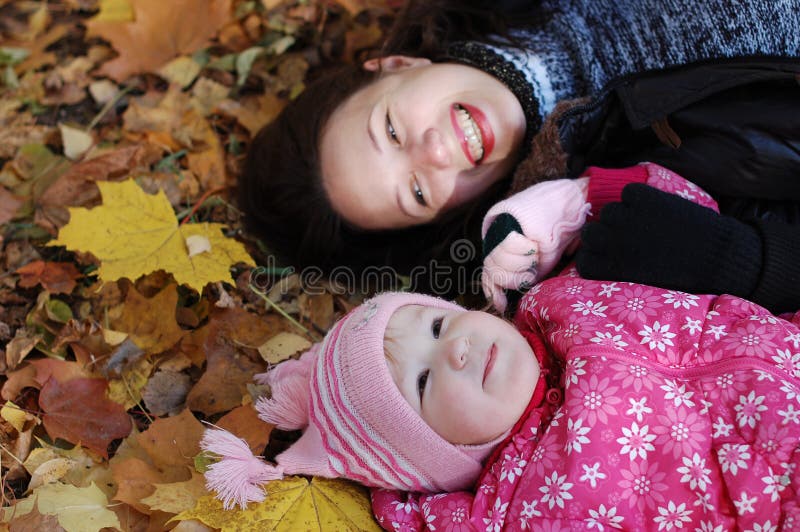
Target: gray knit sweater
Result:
[[580, 46]]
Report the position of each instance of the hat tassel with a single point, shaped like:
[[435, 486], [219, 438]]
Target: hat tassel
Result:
[[238, 477]]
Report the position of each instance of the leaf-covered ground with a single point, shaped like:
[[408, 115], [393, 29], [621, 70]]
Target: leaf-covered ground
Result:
[[130, 309]]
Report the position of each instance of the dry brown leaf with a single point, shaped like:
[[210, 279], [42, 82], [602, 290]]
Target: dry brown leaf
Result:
[[161, 31], [253, 113], [224, 383], [79, 412], [19, 130], [165, 392], [150, 322], [55, 277]]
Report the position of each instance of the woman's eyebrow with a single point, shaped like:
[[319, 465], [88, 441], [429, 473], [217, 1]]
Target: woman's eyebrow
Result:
[[369, 130]]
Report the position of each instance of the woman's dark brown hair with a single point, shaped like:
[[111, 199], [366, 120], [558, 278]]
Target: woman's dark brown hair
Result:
[[280, 189]]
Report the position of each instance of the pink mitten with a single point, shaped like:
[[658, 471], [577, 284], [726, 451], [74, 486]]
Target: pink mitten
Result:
[[550, 215]]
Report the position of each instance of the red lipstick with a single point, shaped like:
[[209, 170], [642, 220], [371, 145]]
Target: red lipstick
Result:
[[487, 134]]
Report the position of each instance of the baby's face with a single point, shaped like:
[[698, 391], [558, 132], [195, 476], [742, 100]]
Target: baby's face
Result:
[[470, 375]]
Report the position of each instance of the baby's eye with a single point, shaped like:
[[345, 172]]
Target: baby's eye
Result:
[[419, 197], [436, 327], [422, 381], [390, 131]]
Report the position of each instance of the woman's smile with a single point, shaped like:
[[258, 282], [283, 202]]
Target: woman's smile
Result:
[[422, 139], [474, 132]]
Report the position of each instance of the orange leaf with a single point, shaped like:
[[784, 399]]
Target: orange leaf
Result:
[[135, 480], [173, 442], [245, 423], [161, 31], [151, 322], [55, 277], [79, 412]]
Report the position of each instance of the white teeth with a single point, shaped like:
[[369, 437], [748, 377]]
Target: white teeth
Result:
[[472, 133]]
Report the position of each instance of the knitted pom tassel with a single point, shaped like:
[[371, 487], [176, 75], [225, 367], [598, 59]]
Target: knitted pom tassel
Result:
[[238, 476], [289, 381]]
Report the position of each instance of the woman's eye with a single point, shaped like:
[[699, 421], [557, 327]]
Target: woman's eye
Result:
[[390, 131], [419, 197], [422, 381], [436, 327]]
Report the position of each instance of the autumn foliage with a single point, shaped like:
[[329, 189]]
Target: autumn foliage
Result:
[[128, 313]]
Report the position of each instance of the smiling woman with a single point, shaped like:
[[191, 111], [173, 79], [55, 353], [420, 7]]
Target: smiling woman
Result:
[[392, 161]]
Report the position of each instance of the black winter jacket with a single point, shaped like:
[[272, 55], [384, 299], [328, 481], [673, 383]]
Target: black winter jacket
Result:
[[732, 127]]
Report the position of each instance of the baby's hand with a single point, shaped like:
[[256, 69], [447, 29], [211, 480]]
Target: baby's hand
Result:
[[526, 234], [511, 265]]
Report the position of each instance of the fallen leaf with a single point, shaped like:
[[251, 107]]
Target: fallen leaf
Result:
[[178, 496], [114, 11], [14, 415], [20, 346], [76, 141], [103, 91], [282, 346], [50, 471], [17, 380], [9, 205], [141, 235], [84, 470], [79, 412], [136, 480], [172, 442], [19, 130], [245, 423], [150, 322], [127, 388], [228, 372], [55, 277], [160, 31], [181, 71], [293, 503], [34, 520], [77, 509], [253, 112], [165, 392]]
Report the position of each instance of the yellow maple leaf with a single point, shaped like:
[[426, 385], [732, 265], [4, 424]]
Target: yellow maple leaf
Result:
[[134, 233], [293, 503]]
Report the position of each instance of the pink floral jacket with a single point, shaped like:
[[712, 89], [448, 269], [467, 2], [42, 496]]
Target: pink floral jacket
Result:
[[679, 412]]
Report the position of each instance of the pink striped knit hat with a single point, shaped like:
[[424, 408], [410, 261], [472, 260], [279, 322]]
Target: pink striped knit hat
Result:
[[356, 423]]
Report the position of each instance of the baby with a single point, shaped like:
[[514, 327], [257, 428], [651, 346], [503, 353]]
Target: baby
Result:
[[678, 411], [407, 391]]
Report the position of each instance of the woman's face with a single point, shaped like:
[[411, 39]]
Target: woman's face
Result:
[[423, 138]]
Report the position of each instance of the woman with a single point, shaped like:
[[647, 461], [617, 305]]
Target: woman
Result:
[[391, 163]]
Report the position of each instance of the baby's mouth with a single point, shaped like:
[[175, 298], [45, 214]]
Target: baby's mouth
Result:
[[490, 358]]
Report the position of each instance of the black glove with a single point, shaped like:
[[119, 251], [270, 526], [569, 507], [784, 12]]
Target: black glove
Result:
[[656, 238]]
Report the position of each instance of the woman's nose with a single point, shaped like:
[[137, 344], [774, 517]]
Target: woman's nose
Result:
[[432, 150]]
